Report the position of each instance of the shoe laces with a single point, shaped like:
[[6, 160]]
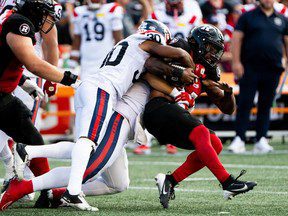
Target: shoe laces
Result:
[[241, 173]]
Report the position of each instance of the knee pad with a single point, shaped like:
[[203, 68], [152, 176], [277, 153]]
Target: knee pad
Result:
[[216, 143]]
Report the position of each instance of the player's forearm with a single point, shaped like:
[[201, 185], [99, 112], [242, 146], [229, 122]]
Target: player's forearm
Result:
[[227, 104], [158, 84], [50, 47], [158, 67], [45, 70]]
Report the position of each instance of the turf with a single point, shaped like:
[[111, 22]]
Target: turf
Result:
[[200, 195]]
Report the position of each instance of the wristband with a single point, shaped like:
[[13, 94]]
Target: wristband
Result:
[[75, 53], [68, 78], [174, 93], [22, 80]]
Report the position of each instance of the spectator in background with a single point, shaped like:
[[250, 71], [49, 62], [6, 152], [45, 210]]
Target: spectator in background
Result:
[[257, 48], [180, 16], [222, 11], [136, 12], [97, 28]]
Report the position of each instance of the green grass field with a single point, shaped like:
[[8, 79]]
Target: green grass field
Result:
[[199, 195]]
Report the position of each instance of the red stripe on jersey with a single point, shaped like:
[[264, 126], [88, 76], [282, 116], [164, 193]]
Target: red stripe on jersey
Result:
[[114, 7], [283, 11], [74, 13], [153, 15], [193, 19]]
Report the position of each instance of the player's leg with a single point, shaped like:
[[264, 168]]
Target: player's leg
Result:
[[16, 123], [114, 179], [60, 150], [95, 110], [193, 163]]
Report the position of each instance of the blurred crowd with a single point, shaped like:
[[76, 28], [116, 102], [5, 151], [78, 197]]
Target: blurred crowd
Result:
[[180, 16]]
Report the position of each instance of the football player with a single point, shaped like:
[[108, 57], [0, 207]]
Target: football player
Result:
[[97, 28], [18, 27], [121, 67], [111, 176], [180, 16], [171, 124], [50, 51]]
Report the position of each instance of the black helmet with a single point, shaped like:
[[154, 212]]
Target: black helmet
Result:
[[155, 26], [37, 11], [207, 43]]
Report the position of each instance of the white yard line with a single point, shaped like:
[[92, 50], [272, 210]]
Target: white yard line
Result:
[[206, 191], [161, 163], [187, 179]]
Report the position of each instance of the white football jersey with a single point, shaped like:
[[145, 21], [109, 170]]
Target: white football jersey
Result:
[[4, 3], [125, 63], [191, 17], [96, 30]]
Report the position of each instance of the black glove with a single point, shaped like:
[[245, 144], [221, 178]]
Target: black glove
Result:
[[69, 78]]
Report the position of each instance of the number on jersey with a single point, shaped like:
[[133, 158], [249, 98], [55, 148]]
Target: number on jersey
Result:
[[98, 29], [115, 56]]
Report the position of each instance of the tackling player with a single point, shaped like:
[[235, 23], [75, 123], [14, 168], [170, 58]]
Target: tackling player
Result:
[[96, 98], [171, 124], [97, 28], [111, 176]]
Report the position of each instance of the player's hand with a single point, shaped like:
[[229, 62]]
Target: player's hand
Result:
[[32, 89], [184, 100], [188, 76], [238, 70], [50, 88], [225, 87]]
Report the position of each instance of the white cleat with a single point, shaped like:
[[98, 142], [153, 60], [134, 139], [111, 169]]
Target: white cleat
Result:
[[20, 159], [237, 146], [77, 202], [262, 147]]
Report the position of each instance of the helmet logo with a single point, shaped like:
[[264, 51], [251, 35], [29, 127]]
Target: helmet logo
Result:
[[24, 29], [206, 28]]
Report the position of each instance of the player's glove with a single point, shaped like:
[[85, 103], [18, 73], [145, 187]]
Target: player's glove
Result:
[[32, 89], [70, 79], [182, 98], [50, 88]]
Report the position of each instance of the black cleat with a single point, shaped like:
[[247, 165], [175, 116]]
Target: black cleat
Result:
[[232, 186], [46, 200], [20, 159], [5, 185], [165, 188], [77, 201]]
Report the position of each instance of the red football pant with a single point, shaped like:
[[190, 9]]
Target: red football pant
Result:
[[207, 147]]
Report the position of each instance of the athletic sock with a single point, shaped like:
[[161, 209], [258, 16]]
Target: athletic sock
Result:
[[39, 166], [55, 178], [60, 150], [200, 137], [80, 157], [193, 163]]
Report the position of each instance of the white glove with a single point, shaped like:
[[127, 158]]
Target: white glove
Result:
[[76, 84], [32, 89]]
